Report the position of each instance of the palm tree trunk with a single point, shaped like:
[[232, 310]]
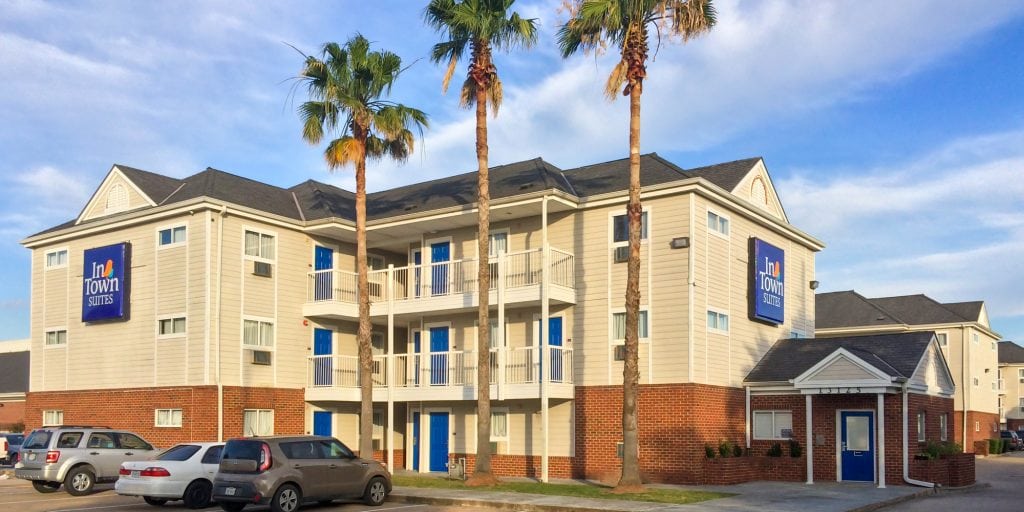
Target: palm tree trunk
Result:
[[482, 472], [363, 334], [630, 370]]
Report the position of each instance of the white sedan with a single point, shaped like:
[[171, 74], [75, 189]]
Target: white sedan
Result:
[[184, 472]]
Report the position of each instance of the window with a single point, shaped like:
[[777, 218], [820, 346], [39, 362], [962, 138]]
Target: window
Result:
[[718, 224], [921, 427], [943, 427], [67, 440], [718, 322], [499, 425], [493, 333], [257, 422], [619, 326], [1020, 375], [168, 418], [172, 236], [377, 343], [257, 333], [620, 229], [132, 442], [977, 426], [497, 243], [212, 455], [56, 259], [103, 440], [773, 424], [53, 417], [993, 345], [1021, 403], [259, 245], [375, 262], [976, 382], [171, 327], [943, 338], [974, 338], [56, 338], [378, 425]]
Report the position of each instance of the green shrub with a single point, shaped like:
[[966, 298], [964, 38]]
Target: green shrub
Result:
[[724, 449], [795, 450], [775, 450], [936, 450], [737, 450], [709, 451]]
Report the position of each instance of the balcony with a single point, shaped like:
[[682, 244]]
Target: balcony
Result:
[[515, 373], [449, 286]]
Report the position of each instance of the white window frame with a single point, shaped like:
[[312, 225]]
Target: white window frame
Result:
[[171, 319], [56, 331], [1020, 402], [490, 239], [993, 342], [645, 228], [263, 321], [975, 338], [716, 230], [776, 432], [942, 338], [622, 311], [378, 426], [172, 419], [922, 426], [977, 426], [53, 417], [720, 313], [262, 233], [46, 258], [476, 332], [259, 415], [943, 426], [371, 256], [1020, 375], [173, 243], [504, 411]]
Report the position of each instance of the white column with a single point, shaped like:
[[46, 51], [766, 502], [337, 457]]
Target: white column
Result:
[[501, 342], [545, 363], [881, 441], [746, 416], [809, 421], [389, 368]]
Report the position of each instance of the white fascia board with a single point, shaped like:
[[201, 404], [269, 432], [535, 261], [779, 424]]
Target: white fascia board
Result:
[[114, 171], [841, 353]]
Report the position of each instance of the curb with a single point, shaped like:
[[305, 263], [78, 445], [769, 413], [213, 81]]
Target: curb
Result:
[[894, 501], [509, 505]]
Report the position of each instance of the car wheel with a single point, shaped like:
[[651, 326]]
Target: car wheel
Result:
[[231, 506], [156, 502], [286, 499], [198, 494], [79, 481], [376, 492], [45, 487]]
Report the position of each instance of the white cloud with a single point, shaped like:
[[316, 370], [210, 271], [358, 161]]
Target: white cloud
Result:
[[39, 198]]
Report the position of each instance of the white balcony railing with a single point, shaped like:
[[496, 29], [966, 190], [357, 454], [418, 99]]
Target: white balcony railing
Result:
[[442, 369], [414, 282]]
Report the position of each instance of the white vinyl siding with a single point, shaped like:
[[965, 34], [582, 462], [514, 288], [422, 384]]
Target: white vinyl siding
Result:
[[56, 259], [619, 326], [53, 417], [171, 327], [167, 418], [259, 246], [773, 424], [56, 337], [257, 333], [171, 236], [257, 422]]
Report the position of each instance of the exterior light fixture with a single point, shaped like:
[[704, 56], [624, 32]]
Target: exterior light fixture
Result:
[[814, 285], [680, 243]]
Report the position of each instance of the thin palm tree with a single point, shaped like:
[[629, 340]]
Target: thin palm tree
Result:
[[625, 25], [347, 85], [479, 27]]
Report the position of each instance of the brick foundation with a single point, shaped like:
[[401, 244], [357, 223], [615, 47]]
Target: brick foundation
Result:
[[133, 409], [988, 426], [382, 456], [520, 465]]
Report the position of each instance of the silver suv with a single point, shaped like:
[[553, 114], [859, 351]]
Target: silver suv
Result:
[[77, 456], [284, 472]]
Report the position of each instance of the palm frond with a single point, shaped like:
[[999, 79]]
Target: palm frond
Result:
[[616, 79]]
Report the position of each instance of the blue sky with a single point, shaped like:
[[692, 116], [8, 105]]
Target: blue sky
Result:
[[894, 131]]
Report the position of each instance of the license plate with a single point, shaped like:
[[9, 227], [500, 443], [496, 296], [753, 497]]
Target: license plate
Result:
[[135, 474], [31, 456], [230, 491]]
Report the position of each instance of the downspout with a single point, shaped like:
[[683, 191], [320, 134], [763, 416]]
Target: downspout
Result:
[[746, 416], [906, 449], [220, 282]]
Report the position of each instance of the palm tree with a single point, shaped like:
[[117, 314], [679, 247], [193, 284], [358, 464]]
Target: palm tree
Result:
[[479, 26], [346, 87], [625, 24]]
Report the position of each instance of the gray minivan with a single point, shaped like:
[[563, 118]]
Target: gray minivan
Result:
[[284, 472]]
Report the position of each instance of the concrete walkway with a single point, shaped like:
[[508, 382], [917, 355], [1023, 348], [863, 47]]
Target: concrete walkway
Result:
[[752, 497]]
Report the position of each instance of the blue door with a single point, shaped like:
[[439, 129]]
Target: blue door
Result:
[[857, 431], [438, 441], [440, 254], [415, 441], [322, 423], [417, 273], [323, 368], [323, 259], [555, 340], [438, 356], [416, 358]]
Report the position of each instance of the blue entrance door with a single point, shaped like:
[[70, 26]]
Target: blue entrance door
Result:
[[323, 368], [438, 441], [323, 260], [322, 423], [440, 254], [438, 356], [554, 335], [415, 441], [857, 435]]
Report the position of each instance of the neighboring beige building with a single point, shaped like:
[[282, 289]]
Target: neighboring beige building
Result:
[[1011, 385], [242, 312], [968, 343]]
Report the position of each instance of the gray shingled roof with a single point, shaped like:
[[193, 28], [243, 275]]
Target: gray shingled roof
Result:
[[156, 186], [969, 310], [14, 368], [896, 355], [1011, 353], [917, 309], [654, 170], [848, 309]]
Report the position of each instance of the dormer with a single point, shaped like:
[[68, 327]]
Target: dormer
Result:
[[116, 194]]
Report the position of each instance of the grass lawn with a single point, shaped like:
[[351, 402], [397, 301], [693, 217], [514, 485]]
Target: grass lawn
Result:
[[575, 490]]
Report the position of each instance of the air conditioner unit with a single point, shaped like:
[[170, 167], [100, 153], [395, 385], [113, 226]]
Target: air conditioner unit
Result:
[[620, 353], [378, 445], [261, 357], [494, 447], [262, 269], [621, 254]]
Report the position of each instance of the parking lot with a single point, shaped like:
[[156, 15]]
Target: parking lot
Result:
[[18, 495]]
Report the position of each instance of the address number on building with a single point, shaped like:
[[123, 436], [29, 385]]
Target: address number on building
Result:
[[838, 391]]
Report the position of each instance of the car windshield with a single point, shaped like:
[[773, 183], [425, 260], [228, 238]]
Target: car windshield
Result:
[[37, 439], [180, 452], [242, 449]]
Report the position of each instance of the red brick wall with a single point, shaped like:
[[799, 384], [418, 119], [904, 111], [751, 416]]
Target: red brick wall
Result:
[[953, 471], [133, 409], [12, 412], [675, 422], [1012, 424], [987, 422], [382, 456], [520, 465]]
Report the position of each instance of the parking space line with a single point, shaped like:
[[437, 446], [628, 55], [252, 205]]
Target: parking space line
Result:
[[96, 508], [42, 501]]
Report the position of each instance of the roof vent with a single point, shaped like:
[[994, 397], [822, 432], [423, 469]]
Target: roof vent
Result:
[[410, 207], [526, 186]]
